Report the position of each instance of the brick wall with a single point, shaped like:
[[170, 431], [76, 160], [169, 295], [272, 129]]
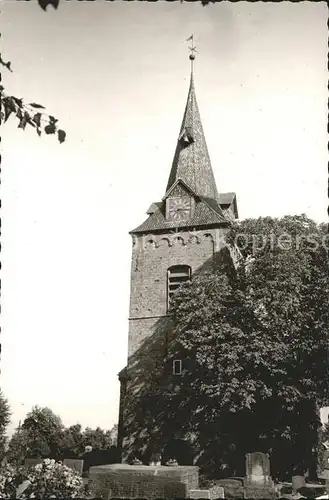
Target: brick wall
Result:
[[143, 482], [152, 255]]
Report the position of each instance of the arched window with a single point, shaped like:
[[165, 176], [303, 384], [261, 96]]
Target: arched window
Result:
[[176, 276]]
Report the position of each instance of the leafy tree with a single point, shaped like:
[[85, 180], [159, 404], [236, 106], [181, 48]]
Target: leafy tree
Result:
[[17, 447], [75, 440], [253, 346], [44, 432], [97, 438], [5, 414], [30, 114], [72, 441]]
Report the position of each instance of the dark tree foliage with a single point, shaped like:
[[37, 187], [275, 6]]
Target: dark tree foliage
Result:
[[18, 447], [254, 351], [44, 431], [27, 114], [43, 435], [5, 414]]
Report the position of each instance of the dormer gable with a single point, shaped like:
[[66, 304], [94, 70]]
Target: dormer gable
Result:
[[179, 188], [179, 202], [228, 204]]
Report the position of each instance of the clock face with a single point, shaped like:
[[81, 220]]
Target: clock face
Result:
[[179, 208]]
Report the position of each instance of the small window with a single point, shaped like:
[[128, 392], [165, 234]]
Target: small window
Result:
[[186, 136], [177, 275], [177, 367]]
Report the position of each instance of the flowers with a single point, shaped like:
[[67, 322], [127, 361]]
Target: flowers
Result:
[[49, 479]]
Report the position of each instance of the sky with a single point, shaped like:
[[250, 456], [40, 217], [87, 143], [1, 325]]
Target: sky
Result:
[[116, 76]]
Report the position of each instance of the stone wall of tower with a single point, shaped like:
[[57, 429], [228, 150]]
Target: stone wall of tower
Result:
[[152, 255]]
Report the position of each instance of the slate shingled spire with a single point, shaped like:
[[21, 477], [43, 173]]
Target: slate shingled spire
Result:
[[191, 162]]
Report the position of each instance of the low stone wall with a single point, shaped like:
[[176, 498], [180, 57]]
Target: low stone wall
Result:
[[213, 493], [199, 494], [141, 481]]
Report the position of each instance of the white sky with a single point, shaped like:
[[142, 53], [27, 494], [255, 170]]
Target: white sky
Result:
[[116, 75]]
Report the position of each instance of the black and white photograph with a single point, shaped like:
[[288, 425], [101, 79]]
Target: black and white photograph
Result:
[[164, 205]]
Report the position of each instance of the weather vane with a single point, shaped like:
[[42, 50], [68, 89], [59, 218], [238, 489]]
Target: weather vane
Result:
[[192, 49]]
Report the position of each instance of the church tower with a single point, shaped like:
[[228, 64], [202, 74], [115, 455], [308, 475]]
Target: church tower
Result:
[[182, 232]]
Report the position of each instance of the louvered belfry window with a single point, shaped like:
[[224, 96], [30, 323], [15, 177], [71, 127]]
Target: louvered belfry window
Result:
[[177, 275]]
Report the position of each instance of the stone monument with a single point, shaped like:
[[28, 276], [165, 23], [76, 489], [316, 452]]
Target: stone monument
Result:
[[258, 482], [143, 481]]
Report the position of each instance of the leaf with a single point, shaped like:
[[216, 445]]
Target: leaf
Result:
[[19, 102], [50, 129], [22, 122], [7, 109], [6, 65], [10, 103], [29, 119], [37, 119], [52, 120], [38, 106], [61, 135]]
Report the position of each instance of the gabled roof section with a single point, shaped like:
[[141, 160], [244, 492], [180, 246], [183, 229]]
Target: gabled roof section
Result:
[[213, 204], [191, 162], [154, 207], [228, 202], [226, 198], [207, 212]]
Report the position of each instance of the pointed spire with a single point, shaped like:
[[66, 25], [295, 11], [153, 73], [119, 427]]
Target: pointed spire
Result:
[[191, 162]]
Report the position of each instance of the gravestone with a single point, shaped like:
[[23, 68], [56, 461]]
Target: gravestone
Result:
[[297, 481], [258, 482], [232, 487], [31, 462], [74, 464]]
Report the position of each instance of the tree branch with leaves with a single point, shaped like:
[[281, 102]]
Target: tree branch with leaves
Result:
[[31, 114]]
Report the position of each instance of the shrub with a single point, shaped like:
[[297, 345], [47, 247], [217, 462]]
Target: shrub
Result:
[[46, 480]]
